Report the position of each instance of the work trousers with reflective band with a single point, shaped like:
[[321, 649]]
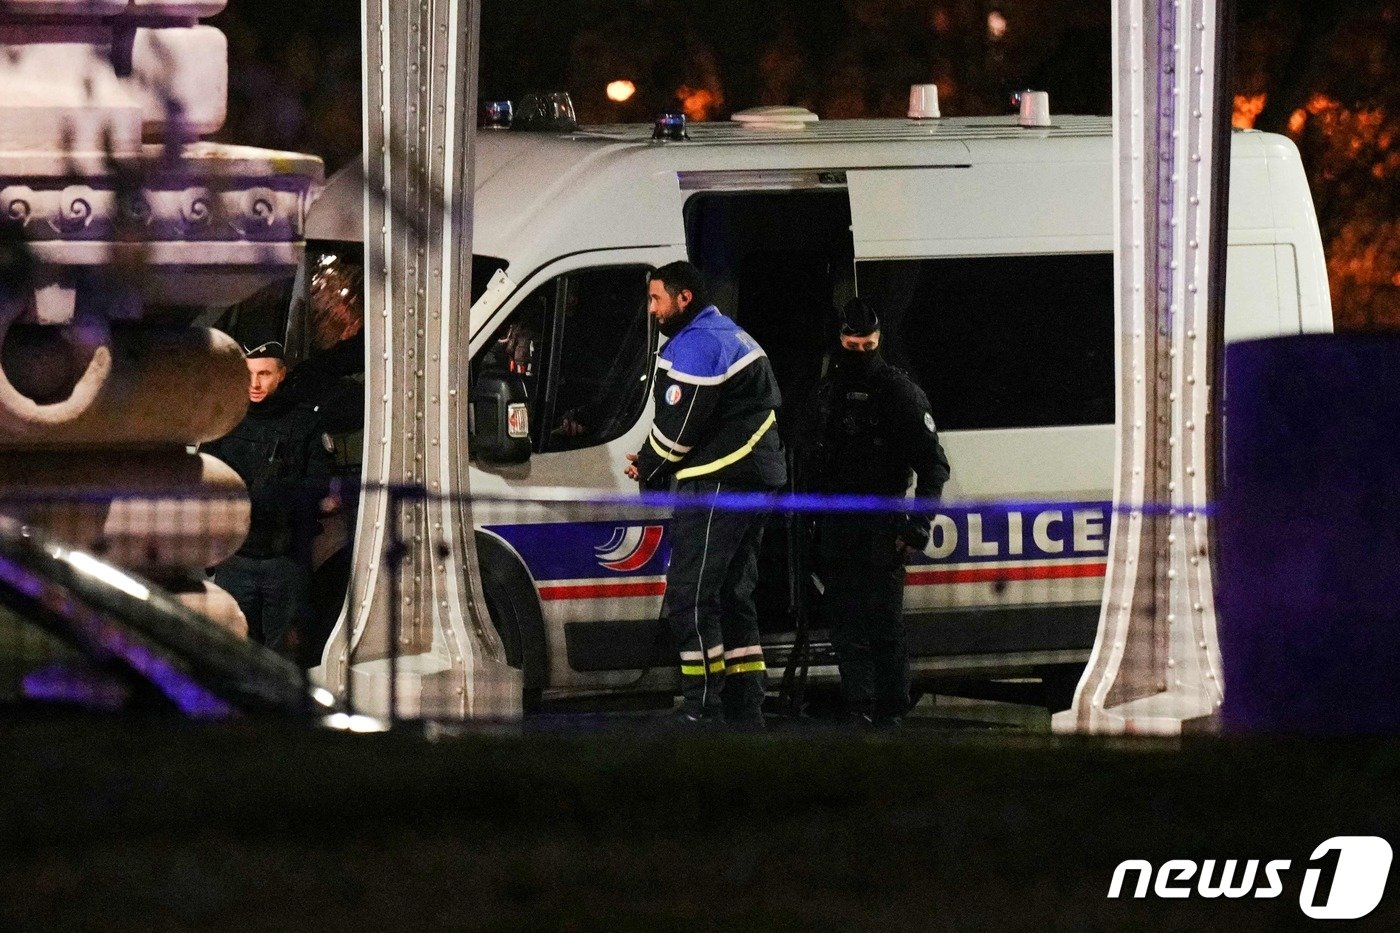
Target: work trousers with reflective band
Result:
[[863, 602], [709, 606]]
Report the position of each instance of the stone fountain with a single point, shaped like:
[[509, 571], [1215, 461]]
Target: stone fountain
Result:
[[118, 226]]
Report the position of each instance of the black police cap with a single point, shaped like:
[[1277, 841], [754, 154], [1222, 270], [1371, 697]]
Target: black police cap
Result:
[[858, 319], [272, 349]]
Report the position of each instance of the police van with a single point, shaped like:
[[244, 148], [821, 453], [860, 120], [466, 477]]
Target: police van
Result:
[[986, 247]]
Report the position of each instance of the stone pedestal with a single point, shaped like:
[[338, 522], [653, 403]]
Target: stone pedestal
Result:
[[117, 226]]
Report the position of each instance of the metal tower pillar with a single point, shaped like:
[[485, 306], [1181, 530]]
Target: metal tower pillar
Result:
[[1156, 664], [415, 639]]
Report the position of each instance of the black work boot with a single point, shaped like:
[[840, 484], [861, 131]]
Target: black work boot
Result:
[[743, 701], [684, 718]]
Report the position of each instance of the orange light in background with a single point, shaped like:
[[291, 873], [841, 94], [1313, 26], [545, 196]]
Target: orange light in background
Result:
[[698, 103], [996, 24], [1320, 102], [621, 91], [1354, 153], [1247, 110]]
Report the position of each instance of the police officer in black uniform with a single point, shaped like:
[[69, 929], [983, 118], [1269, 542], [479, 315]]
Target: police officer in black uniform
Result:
[[284, 458], [867, 427]]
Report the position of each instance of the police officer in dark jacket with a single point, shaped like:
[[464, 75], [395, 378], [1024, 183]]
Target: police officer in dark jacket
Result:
[[715, 431], [283, 457], [867, 427]]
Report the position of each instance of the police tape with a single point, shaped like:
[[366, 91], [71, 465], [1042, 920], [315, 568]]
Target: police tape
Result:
[[789, 502], [785, 502]]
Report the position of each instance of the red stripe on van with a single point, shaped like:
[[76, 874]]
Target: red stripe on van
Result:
[[912, 578], [999, 574], [603, 590], [651, 540]]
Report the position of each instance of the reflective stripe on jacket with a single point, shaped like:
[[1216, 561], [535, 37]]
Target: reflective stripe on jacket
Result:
[[716, 409]]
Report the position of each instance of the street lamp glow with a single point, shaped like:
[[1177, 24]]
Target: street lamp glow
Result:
[[996, 24], [621, 90]]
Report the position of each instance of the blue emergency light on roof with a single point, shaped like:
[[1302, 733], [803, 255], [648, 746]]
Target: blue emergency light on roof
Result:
[[496, 115], [551, 112], [669, 127]]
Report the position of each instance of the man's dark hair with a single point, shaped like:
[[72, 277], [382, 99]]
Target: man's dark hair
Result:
[[678, 276]]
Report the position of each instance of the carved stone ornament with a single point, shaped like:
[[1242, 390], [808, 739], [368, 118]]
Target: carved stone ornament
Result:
[[119, 214]]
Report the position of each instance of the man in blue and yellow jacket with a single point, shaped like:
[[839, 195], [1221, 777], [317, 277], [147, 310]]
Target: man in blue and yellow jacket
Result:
[[714, 432]]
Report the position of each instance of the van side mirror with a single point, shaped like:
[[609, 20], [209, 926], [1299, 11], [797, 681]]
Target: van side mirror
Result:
[[500, 419]]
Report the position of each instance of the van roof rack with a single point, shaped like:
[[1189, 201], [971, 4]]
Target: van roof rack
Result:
[[959, 129]]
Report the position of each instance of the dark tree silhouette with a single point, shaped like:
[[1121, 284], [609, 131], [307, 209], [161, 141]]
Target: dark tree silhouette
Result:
[[1322, 71]]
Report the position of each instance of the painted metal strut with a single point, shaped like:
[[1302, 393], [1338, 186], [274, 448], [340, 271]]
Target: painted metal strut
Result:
[[415, 639], [1156, 663]]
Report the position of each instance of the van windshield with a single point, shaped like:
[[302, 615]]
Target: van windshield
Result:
[[267, 314]]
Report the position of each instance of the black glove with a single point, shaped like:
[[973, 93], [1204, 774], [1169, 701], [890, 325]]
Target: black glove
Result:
[[915, 532]]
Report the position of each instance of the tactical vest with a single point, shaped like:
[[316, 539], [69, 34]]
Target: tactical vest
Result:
[[858, 450]]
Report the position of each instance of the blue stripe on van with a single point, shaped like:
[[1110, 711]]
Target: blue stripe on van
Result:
[[624, 549], [580, 550]]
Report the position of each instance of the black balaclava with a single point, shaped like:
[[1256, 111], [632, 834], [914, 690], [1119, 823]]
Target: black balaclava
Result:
[[858, 319]]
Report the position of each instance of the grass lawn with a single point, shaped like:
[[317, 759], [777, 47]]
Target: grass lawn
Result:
[[162, 825]]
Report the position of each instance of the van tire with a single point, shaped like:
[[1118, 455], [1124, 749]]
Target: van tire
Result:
[[515, 613]]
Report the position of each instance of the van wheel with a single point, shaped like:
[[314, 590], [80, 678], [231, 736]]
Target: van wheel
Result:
[[515, 612]]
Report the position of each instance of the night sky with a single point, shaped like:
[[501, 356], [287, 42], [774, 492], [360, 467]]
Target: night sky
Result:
[[1323, 71]]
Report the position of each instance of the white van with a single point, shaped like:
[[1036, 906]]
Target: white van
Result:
[[986, 248]]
